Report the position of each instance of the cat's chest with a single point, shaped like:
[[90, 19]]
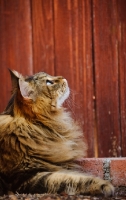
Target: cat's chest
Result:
[[26, 144]]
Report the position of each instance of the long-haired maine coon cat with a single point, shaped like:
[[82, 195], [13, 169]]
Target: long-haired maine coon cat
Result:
[[40, 142]]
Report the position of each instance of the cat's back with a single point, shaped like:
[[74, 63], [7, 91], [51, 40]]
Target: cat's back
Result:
[[12, 150]]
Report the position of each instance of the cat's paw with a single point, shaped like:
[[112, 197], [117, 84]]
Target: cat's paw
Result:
[[97, 186], [107, 189]]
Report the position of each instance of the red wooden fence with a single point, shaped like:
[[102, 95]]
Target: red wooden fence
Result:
[[83, 40]]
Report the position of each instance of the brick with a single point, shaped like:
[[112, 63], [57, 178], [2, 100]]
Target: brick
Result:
[[118, 171], [92, 166]]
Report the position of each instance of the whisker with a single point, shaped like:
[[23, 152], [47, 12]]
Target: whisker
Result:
[[72, 99], [69, 105], [73, 91]]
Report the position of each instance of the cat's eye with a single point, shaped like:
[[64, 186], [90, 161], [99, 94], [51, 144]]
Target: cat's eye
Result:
[[48, 82]]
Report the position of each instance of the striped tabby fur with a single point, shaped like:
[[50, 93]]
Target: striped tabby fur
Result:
[[40, 142]]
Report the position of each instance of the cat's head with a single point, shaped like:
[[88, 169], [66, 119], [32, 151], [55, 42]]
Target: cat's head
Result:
[[39, 90]]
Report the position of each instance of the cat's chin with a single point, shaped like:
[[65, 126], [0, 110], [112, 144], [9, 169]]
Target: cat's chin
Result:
[[63, 98]]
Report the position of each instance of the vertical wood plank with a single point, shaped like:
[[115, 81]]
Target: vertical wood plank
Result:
[[43, 37], [106, 31], [122, 69], [73, 59], [15, 43], [62, 45]]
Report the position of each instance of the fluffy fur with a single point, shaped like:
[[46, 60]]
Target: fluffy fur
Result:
[[39, 141]]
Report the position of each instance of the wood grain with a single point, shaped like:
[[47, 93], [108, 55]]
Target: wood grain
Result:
[[106, 29], [43, 36], [73, 60], [122, 70], [15, 43], [82, 40]]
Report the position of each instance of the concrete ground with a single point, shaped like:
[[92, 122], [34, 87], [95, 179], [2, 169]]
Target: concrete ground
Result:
[[120, 194]]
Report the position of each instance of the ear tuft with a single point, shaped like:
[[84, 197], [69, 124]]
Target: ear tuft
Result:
[[14, 78], [15, 73]]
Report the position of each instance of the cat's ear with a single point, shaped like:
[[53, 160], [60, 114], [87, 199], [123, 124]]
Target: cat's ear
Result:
[[14, 78], [26, 89], [18, 81]]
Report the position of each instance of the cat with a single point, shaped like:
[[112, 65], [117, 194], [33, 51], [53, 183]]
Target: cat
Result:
[[40, 142]]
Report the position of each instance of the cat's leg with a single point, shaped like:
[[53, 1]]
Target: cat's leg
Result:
[[70, 182]]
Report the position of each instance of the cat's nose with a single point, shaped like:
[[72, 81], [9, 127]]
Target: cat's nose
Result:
[[65, 82]]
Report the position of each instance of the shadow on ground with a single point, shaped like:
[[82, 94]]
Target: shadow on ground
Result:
[[120, 194]]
